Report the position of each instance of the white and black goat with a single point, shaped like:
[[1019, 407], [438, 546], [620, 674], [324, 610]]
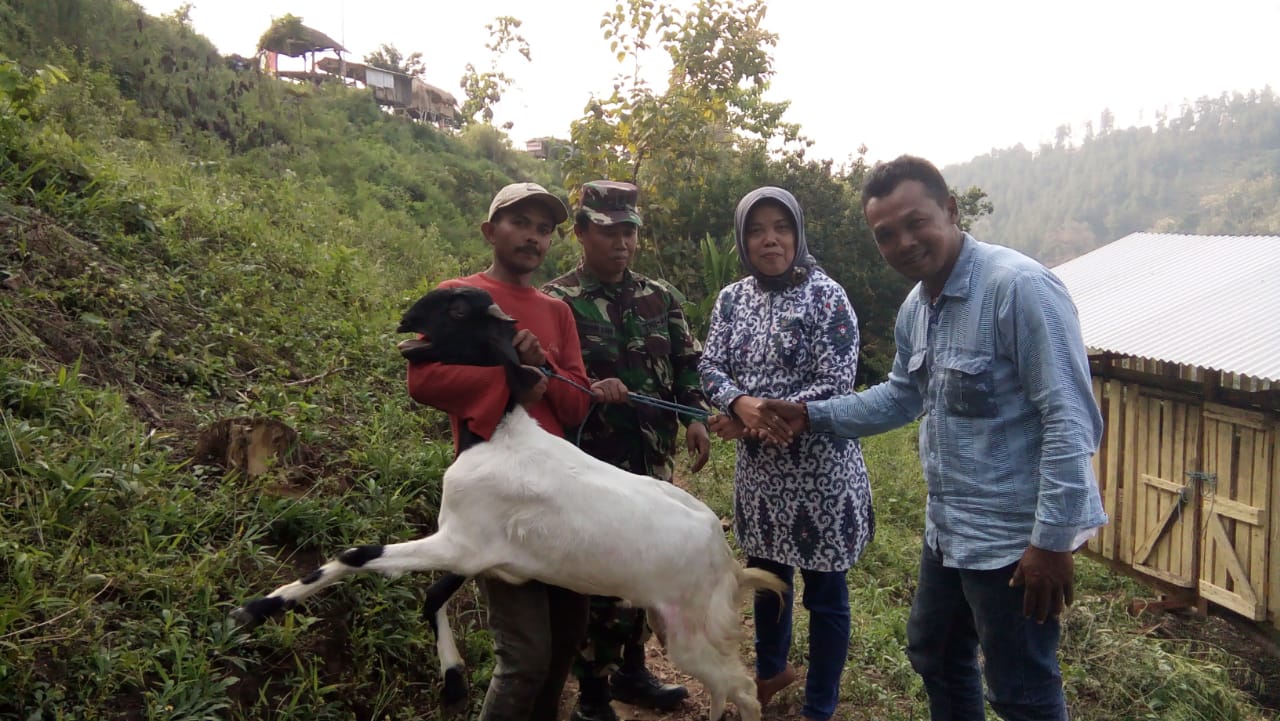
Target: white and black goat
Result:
[[528, 505]]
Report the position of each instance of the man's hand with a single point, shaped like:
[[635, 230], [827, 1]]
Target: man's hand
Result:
[[529, 349], [757, 414], [1050, 580], [609, 390], [795, 415], [534, 393], [699, 445]]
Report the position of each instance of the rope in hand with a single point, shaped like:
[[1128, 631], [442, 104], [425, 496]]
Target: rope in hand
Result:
[[697, 413]]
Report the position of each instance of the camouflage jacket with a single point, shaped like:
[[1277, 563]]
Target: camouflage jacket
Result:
[[634, 331]]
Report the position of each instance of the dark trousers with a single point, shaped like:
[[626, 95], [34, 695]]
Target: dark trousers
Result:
[[536, 632], [826, 597], [614, 633], [955, 613]]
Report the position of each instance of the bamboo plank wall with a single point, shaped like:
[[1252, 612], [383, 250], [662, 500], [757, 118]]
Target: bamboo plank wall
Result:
[[1158, 434]]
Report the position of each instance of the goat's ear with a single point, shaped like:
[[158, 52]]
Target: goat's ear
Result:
[[498, 313], [503, 350]]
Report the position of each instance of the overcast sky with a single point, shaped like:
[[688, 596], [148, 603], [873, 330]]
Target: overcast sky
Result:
[[946, 80]]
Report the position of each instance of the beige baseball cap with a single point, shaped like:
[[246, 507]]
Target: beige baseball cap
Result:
[[516, 192]]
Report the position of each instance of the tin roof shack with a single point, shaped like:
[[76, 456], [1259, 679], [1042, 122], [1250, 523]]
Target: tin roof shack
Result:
[[403, 93], [1184, 350]]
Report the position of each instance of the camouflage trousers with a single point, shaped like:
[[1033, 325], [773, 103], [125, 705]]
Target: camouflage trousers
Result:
[[611, 628]]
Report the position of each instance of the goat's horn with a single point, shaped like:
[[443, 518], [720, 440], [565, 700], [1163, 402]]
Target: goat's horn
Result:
[[496, 312]]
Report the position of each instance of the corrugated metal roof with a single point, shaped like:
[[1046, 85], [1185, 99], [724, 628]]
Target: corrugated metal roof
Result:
[[1203, 300]]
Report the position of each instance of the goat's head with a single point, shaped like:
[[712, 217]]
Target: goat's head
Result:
[[463, 326]]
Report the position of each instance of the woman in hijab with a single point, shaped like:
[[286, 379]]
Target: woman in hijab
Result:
[[788, 331]]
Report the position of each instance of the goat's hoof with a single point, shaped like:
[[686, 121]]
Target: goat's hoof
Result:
[[254, 612], [453, 698]]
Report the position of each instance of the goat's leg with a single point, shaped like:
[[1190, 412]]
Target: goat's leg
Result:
[[688, 650], [719, 669], [453, 697], [742, 692], [435, 552]]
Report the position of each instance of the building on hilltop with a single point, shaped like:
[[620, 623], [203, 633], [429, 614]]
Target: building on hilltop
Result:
[[288, 36], [400, 92]]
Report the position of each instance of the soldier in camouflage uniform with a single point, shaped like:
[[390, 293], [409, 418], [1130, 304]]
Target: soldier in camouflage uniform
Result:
[[634, 338]]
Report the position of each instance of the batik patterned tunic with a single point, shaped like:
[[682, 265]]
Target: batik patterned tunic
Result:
[[807, 505]]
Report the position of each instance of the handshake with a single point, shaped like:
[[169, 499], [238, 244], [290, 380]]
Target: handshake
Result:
[[762, 419]]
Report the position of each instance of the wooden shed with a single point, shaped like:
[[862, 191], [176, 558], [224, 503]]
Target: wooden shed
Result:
[[1184, 342], [403, 93]]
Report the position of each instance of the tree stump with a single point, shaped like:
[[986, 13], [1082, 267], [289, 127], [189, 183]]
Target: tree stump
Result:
[[246, 444]]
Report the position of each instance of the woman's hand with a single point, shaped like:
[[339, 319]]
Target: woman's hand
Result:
[[728, 428], [725, 427], [759, 418]]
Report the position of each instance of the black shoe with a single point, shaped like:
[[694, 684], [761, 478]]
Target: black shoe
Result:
[[593, 712], [640, 688]]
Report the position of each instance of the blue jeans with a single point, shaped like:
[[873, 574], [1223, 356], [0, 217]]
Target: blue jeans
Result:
[[826, 596], [957, 611]]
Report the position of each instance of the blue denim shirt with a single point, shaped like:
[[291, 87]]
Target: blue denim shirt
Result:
[[998, 374]]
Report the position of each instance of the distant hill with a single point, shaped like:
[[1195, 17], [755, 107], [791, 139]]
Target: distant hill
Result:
[[1212, 168]]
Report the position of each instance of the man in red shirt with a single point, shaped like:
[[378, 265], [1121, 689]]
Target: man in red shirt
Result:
[[536, 628]]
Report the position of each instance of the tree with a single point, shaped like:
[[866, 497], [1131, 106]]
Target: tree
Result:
[[484, 90], [1062, 137], [388, 57], [1107, 122], [680, 145], [973, 204], [181, 14]]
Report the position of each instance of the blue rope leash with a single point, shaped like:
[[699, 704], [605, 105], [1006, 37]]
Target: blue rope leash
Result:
[[638, 398]]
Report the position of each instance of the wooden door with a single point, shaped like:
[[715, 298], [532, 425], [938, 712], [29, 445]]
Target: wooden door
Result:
[[1164, 493], [1234, 501]]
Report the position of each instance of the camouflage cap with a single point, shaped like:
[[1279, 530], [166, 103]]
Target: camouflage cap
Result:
[[607, 202]]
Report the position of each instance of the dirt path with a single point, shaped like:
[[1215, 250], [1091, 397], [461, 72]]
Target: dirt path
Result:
[[785, 705]]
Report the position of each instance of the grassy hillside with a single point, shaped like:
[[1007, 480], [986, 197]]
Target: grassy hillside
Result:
[[157, 275]]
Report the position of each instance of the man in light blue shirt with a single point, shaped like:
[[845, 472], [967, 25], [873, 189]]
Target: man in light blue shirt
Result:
[[991, 360]]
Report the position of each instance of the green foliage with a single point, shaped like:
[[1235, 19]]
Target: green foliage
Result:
[[483, 90], [680, 146], [20, 91], [388, 57], [1211, 168], [973, 206], [288, 36], [720, 267]]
